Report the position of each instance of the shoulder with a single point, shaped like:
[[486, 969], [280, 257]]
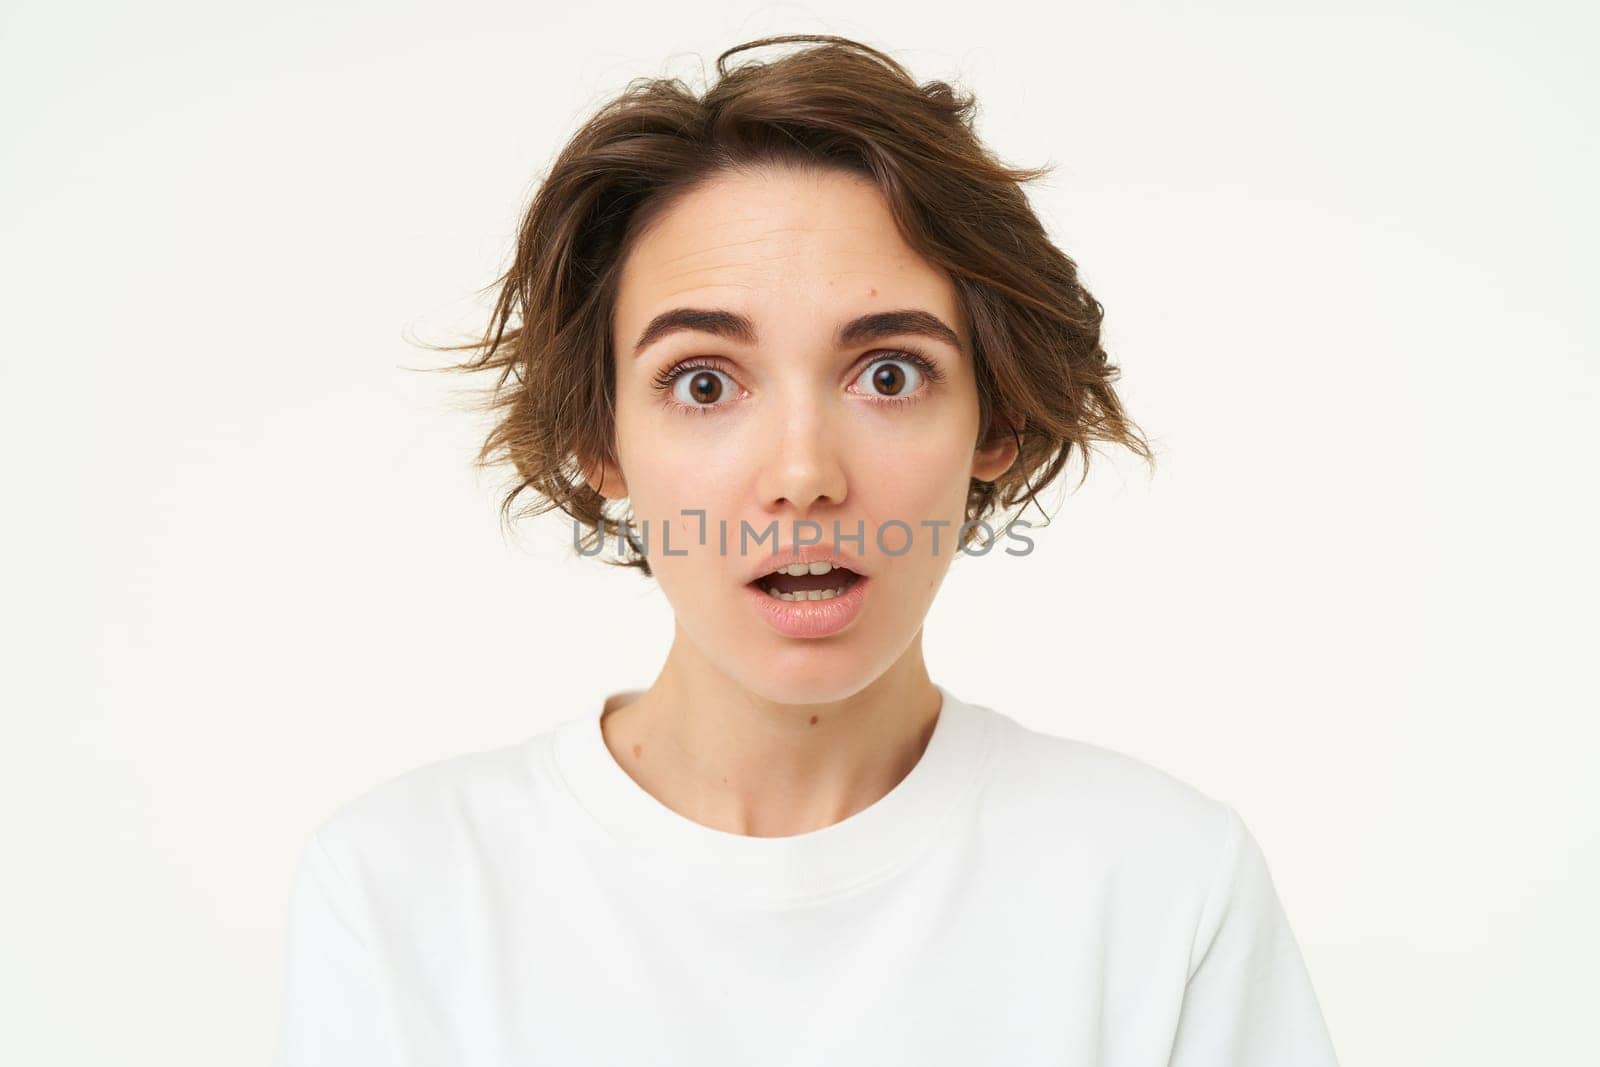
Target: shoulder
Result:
[[1108, 807], [1060, 770], [424, 814]]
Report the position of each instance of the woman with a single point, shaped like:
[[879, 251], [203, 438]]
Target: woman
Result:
[[807, 305]]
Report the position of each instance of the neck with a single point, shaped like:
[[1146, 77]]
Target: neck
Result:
[[718, 753]]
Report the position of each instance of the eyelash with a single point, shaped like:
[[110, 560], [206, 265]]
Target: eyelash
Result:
[[664, 381]]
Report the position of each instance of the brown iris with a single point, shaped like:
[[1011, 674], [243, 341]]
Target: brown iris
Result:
[[889, 378], [705, 386]]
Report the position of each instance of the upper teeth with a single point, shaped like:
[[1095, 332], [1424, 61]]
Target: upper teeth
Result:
[[820, 567]]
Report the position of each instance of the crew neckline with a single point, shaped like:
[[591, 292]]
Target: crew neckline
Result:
[[837, 859]]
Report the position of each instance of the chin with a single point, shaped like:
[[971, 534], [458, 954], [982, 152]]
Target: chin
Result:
[[808, 694], [808, 675], [812, 672]]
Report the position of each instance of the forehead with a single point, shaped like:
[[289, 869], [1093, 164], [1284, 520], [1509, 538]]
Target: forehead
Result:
[[779, 244]]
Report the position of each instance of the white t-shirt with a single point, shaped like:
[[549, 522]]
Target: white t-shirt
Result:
[[1018, 899]]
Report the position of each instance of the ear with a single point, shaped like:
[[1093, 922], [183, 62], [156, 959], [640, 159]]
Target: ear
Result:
[[604, 477], [994, 457]]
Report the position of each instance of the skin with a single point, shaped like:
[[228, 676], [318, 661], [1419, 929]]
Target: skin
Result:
[[747, 730]]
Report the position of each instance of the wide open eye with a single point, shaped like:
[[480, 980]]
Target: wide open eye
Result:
[[891, 378], [701, 387]]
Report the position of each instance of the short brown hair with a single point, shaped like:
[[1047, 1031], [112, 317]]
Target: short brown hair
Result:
[[1041, 373]]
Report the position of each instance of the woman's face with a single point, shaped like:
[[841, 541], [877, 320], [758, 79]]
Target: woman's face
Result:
[[793, 418]]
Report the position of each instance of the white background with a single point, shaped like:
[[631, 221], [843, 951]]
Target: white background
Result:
[[1347, 260]]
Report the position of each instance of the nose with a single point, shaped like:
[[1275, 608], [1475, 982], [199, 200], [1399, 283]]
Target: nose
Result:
[[803, 468]]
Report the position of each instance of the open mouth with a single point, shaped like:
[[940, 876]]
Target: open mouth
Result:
[[815, 581]]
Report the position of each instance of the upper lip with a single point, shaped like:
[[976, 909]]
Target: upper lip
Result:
[[808, 554]]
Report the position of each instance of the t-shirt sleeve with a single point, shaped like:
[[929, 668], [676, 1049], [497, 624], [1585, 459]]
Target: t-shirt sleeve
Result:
[[1249, 1000], [332, 1007]]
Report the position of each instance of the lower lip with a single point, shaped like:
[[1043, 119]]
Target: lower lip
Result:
[[811, 618]]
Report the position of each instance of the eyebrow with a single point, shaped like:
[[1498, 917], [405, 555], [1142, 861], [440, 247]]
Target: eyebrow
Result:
[[737, 327]]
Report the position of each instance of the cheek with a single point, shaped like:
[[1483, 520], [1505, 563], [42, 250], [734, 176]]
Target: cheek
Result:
[[670, 472], [666, 476], [669, 465], [926, 479]]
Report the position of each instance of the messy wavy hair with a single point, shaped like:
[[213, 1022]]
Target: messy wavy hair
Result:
[[1041, 373]]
